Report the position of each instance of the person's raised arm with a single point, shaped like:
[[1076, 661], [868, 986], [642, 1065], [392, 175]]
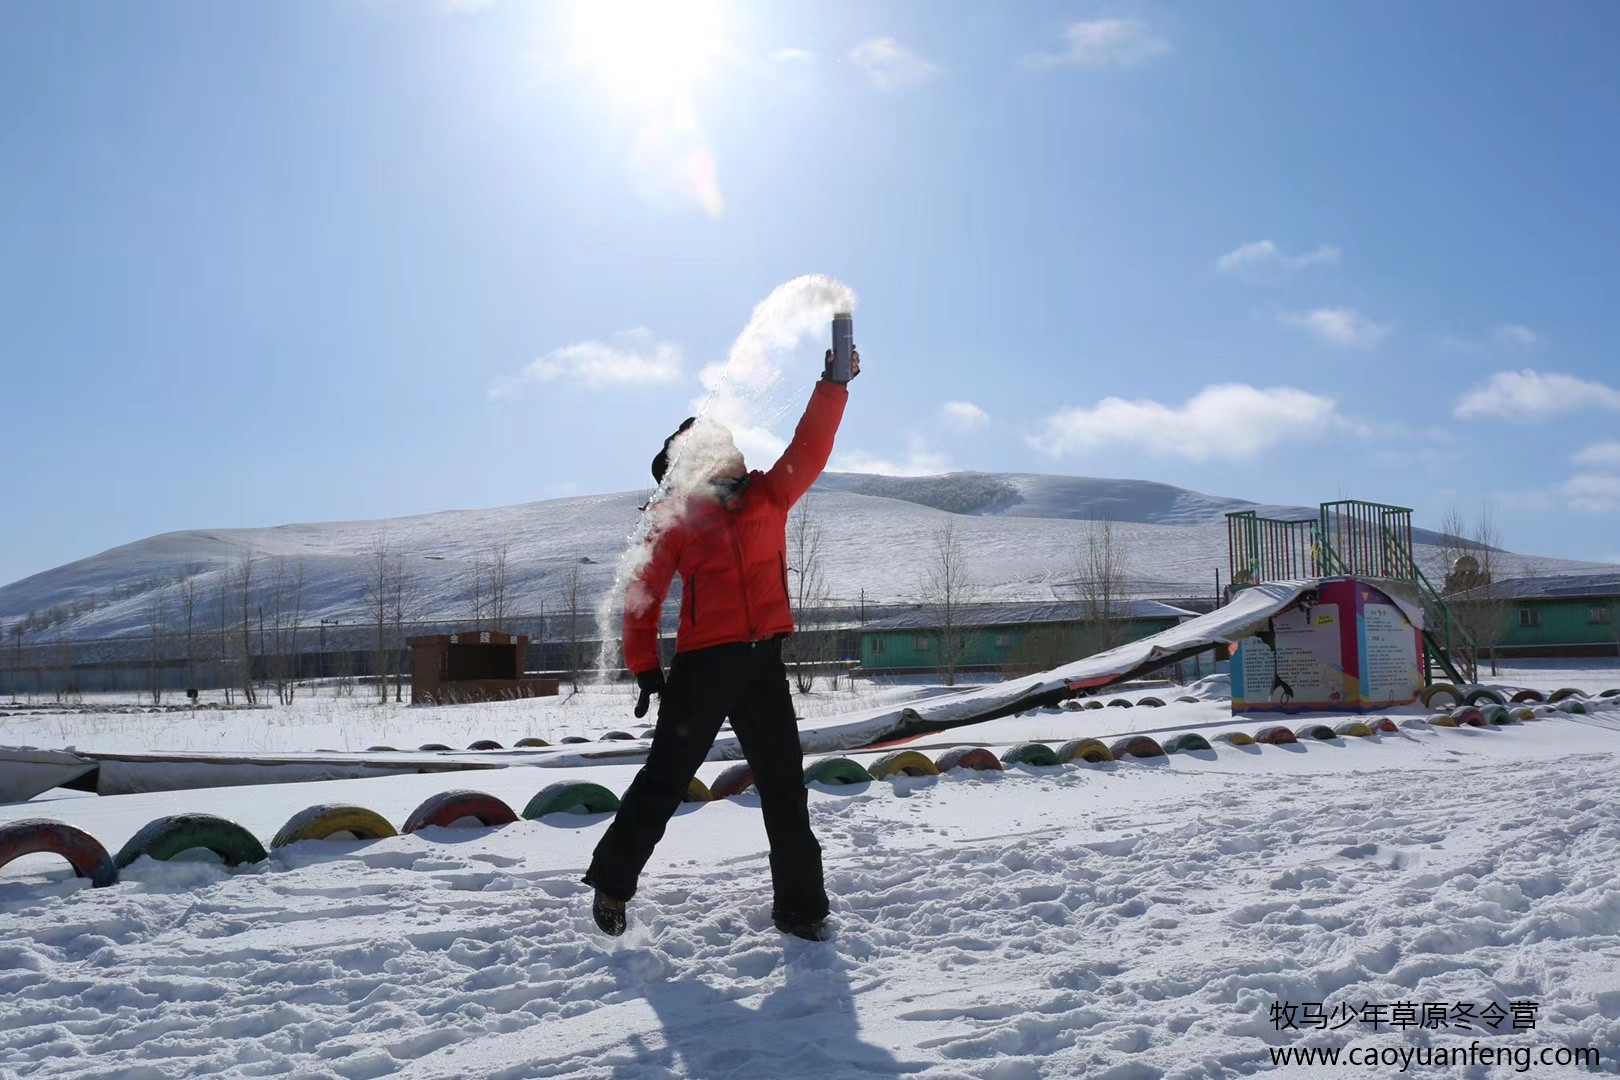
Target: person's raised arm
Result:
[[806, 456]]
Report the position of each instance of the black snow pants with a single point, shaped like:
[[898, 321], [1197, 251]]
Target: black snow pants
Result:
[[748, 684]]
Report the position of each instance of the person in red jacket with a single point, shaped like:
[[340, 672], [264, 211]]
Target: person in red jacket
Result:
[[723, 530]]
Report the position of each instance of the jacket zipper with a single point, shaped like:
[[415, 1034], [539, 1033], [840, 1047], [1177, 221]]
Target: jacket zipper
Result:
[[787, 593], [742, 577], [691, 607]]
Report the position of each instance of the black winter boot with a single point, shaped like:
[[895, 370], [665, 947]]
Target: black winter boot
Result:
[[808, 929], [608, 913]]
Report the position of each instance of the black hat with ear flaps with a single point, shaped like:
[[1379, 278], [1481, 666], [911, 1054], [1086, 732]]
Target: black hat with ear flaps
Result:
[[660, 464]]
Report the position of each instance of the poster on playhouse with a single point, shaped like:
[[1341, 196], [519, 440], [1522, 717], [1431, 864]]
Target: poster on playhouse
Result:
[[1350, 648]]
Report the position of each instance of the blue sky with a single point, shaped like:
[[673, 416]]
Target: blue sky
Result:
[[309, 261]]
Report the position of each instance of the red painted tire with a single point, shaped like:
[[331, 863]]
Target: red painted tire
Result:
[[1468, 716], [486, 744], [1136, 746], [448, 807], [1275, 736], [1384, 726], [734, 781], [1528, 695], [31, 836], [968, 757]]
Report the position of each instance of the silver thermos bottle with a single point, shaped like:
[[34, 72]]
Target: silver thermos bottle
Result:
[[843, 333]]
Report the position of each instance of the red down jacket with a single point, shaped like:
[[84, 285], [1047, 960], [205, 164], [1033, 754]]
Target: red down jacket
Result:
[[732, 556]]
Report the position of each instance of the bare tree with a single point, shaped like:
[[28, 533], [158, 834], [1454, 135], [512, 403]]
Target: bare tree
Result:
[[1099, 568], [1470, 550], [477, 578], [18, 629], [285, 597], [806, 583], [573, 586], [155, 616], [190, 589], [497, 577], [222, 598], [404, 596], [378, 596], [242, 586], [947, 588]]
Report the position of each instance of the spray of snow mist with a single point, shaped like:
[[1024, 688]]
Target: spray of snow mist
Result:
[[743, 398]]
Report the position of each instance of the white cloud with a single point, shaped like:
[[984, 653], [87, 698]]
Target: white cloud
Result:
[[1517, 335], [1534, 395], [1265, 258], [1105, 43], [1604, 455], [793, 56], [632, 357], [888, 65], [1596, 492], [965, 415], [1340, 327], [1221, 423], [920, 461]]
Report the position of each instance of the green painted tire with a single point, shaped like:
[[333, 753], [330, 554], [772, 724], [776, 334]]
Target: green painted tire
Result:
[[448, 807], [1575, 706], [1136, 746], [167, 837], [1235, 738], [1440, 689], [571, 797], [1353, 729], [1187, 740], [735, 780], [1091, 751], [902, 763], [1319, 732], [976, 758], [1497, 715], [1030, 753], [34, 836], [697, 791], [530, 742], [1564, 692], [327, 819], [836, 772], [1479, 694]]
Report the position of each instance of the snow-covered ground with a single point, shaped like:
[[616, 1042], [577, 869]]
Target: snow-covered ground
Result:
[[1129, 920]]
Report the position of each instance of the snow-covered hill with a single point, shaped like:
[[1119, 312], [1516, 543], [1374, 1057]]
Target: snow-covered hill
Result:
[[1019, 530]]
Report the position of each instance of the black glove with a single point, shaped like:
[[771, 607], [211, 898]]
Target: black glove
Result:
[[651, 682], [854, 365]]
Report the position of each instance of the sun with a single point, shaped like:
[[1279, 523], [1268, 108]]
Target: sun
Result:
[[651, 51]]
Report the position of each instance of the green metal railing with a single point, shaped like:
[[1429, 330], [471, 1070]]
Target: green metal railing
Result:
[[1351, 538]]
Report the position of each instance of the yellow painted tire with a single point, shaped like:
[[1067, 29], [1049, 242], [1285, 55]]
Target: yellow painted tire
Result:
[[1353, 729], [697, 791], [1235, 738], [1437, 690], [1526, 714], [321, 822], [1091, 751], [902, 762]]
